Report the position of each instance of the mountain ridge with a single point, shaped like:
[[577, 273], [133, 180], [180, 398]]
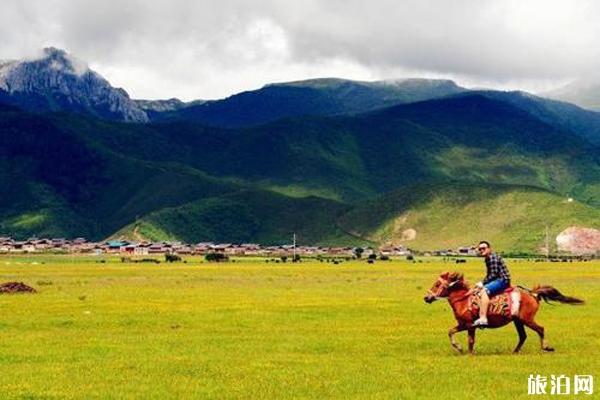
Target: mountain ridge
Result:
[[324, 96], [304, 156]]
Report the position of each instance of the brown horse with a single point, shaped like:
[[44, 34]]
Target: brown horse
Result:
[[452, 285]]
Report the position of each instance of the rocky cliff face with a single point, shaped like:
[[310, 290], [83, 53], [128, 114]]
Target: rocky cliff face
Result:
[[578, 240], [60, 82]]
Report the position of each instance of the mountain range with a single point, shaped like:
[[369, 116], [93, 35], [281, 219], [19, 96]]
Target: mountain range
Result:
[[423, 163]]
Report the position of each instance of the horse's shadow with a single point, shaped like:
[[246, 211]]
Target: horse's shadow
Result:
[[500, 352]]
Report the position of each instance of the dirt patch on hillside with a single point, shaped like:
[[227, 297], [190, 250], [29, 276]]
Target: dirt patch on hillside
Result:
[[400, 232], [578, 240], [15, 287], [408, 234]]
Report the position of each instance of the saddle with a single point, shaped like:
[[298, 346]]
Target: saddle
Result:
[[505, 304]]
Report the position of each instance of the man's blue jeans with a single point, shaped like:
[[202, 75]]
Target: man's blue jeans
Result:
[[495, 287]]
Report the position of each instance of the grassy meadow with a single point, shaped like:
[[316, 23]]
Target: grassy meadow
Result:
[[250, 329]]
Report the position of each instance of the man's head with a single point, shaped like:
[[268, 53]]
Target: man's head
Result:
[[484, 248]]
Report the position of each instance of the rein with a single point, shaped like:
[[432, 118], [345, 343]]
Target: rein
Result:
[[464, 296], [445, 285]]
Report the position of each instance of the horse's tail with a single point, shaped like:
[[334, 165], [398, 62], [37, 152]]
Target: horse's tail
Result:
[[547, 292]]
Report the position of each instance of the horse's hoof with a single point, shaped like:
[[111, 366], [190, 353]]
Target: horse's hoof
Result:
[[458, 349], [548, 348]]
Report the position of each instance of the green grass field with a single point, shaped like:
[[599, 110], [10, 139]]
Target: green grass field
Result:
[[255, 330]]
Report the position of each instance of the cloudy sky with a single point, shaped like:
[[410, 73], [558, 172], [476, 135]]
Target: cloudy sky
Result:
[[202, 49]]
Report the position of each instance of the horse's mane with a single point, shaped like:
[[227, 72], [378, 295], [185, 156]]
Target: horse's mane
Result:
[[456, 277]]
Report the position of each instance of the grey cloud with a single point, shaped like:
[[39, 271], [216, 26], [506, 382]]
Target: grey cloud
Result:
[[205, 49]]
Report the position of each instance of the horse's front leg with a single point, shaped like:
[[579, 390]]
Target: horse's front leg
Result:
[[451, 333], [471, 333]]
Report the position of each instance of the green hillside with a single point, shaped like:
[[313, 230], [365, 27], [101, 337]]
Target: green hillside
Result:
[[246, 216], [60, 182], [469, 138], [452, 214]]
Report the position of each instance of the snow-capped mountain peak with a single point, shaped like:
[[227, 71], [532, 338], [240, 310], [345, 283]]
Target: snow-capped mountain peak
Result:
[[57, 81]]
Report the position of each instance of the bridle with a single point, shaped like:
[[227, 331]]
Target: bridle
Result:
[[444, 284]]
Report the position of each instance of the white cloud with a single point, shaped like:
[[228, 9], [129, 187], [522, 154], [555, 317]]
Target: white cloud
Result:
[[209, 49]]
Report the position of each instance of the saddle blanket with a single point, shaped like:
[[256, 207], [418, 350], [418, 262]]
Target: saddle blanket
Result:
[[505, 304]]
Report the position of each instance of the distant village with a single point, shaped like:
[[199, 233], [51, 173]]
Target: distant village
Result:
[[144, 248]]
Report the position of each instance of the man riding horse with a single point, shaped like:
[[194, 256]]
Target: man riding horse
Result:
[[517, 306], [496, 280]]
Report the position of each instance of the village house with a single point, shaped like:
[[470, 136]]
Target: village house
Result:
[[221, 248], [445, 253], [58, 242], [5, 247], [85, 247], [250, 249], [158, 248], [341, 251], [307, 250], [467, 251], [203, 248], [142, 249], [42, 244], [29, 246], [6, 244], [115, 246], [236, 250], [183, 249], [80, 245], [17, 247], [394, 251], [129, 248], [270, 251]]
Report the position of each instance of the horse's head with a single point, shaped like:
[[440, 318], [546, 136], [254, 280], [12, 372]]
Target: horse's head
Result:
[[445, 283]]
